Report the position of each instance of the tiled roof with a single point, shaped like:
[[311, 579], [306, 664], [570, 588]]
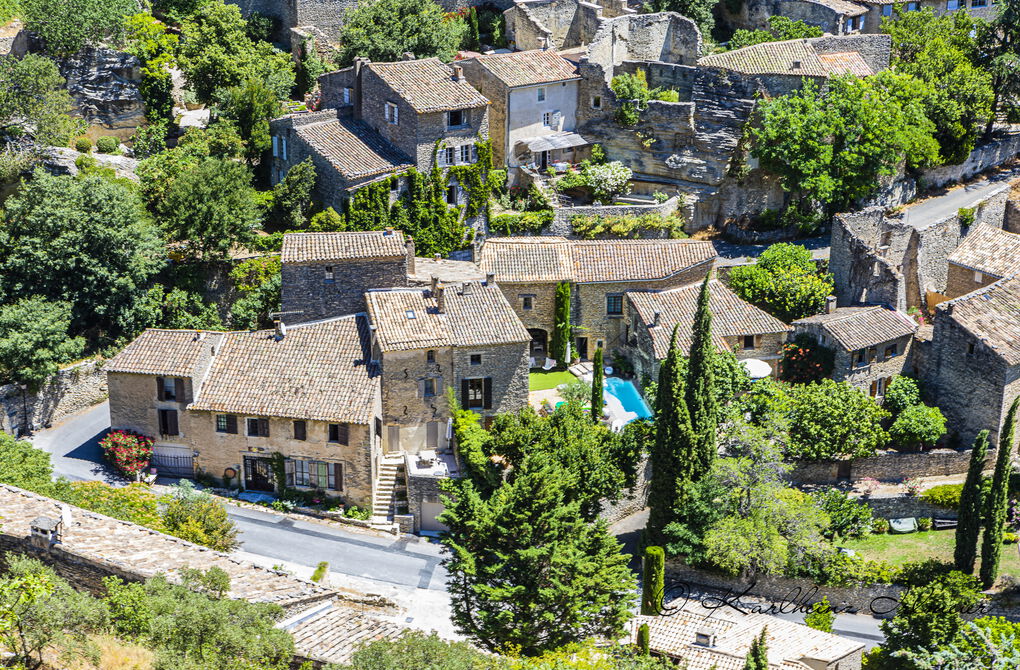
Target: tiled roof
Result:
[[529, 68], [313, 247], [354, 148], [843, 7], [164, 352], [992, 314], [334, 635], [731, 316], [428, 85], [474, 314], [549, 259], [319, 370], [855, 328], [990, 250], [780, 58], [790, 645]]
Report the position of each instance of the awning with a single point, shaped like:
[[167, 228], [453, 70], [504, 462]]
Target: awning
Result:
[[562, 140]]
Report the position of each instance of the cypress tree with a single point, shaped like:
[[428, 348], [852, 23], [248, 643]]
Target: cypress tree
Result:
[[969, 525], [757, 655], [474, 37], [598, 377], [559, 348], [991, 547], [653, 584], [643, 641], [701, 388]]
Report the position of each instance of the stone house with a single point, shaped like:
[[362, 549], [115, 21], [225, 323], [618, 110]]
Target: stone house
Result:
[[737, 326], [534, 106], [225, 403], [986, 255], [872, 344], [326, 274], [379, 120], [461, 336], [557, 24], [600, 272]]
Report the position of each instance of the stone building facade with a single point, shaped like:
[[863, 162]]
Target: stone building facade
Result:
[[986, 255]]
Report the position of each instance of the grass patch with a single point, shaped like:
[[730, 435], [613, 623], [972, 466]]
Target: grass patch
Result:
[[543, 381], [920, 546]]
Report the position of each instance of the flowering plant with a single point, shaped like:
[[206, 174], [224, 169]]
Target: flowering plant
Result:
[[129, 452], [868, 485], [912, 485]]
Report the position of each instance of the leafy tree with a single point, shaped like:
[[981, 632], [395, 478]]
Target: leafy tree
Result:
[[68, 26], [757, 655], [699, 11], [34, 340], [902, 393], [751, 545], [251, 106], [988, 642], [998, 500], [292, 196], [33, 100], [309, 66], [415, 650], [834, 420], [821, 616], [154, 46], [653, 584], [84, 241], [917, 426], [806, 360], [700, 388], [971, 506], [848, 517], [386, 29], [999, 55], [643, 639], [211, 209], [784, 282], [473, 39], [198, 517], [258, 280], [23, 465], [554, 579], [598, 378], [559, 348], [158, 171], [929, 615], [780, 28], [178, 308], [176, 11]]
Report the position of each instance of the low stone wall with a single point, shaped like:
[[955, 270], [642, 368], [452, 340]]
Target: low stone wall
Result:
[[634, 500], [993, 154], [71, 390], [903, 506], [563, 215], [889, 466]]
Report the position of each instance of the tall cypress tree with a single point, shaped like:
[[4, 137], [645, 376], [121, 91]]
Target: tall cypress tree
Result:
[[597, 379], [701, 400], [969, 526], [670, 464], [653, 580], [757, 655], [991, 547], [559, 348]]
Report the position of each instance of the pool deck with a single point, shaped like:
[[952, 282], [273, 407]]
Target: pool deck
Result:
[[616, 416]]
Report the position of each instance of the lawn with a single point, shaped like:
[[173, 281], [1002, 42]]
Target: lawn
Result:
[[898, 549], [542, 381]]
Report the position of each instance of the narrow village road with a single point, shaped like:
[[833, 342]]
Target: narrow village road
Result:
[[950, 202]]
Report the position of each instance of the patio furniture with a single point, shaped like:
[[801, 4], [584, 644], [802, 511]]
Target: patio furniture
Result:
[[533, 362], [549, 364], [941, 524], [905, 525], [426, 458]]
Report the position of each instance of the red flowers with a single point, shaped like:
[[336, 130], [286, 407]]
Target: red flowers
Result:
[[129, 452]]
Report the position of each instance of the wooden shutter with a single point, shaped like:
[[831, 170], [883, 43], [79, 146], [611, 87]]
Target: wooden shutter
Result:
[[338, 475], [487, 393], [231, 424], [161, 414], [263, 427], [171, 422], [159, 389], [179, 389], [343, 433], [464, 393]]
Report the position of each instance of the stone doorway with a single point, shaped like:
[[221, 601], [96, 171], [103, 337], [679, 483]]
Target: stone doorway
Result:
[[539, 344]]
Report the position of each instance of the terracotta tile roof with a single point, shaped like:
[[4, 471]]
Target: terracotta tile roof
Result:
[[549, 259], [333, 636], [529, 68], [780, 58], [731, 316], [790, 645], [164, 352], [314, 247], [843, 7], [354, 148], [319, 370], [855, 328], [474, 315], [991, 314], [428, 85], [990, 250]]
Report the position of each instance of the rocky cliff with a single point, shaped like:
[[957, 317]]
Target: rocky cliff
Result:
[[104, 86]]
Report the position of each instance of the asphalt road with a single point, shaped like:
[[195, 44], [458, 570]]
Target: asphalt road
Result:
[[949, 202], [73, 445]]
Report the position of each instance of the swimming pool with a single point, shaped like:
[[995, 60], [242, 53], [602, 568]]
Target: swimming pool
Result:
[[628, 395]]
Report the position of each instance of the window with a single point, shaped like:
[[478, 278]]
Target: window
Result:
[[448, 156], [283, 150], [912, 6], [455, 118], [849, 25], [314, 474], [596, 102], [878, 387], [748, 341], [891, 350], [430, 356], [339, 433], [330, 277], [614, 304], [477, 393], [391, 113], [300, 430], [168, 422], [276, 146], [258, 427], [970, 348], [465, 153], [476, 359], [886, 10], [527, 302], [541, 94], [347, 95], [860, 358], [378, 427], [952, 5], [547, 118], [226, 423], [451, 194], [978, 276], [428, 388]]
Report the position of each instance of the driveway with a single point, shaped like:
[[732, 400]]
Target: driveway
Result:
[[73, 445]]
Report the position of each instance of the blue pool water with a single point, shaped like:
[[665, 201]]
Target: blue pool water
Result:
[[628, 395]]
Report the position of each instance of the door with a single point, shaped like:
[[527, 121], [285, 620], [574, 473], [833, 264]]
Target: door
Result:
[[582, 348], [258, 474], [432, 435], [539, 338], [545, 160], [392, 439], [429, 512]]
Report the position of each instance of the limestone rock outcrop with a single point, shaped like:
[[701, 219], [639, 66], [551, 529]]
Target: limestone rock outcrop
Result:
[[104, 85]]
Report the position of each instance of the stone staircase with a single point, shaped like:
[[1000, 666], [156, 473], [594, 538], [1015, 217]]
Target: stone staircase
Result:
[[391, 478], [581, 369]]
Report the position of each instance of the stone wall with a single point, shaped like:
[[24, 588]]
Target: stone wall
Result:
[[633, 500], [324, 15], [860, 274], [562, 216], [71, 390], [305, 288], [557, 24], [904, 506], [887, 466], [421, 490], [103, 84]]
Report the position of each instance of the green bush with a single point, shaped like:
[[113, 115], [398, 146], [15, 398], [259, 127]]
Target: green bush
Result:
[[966, 216], [83, 145], [918, 426], [919, 573], [355, 512], [846, 570], [590, 227], [108, 145], [880, 526], [525, 222], [1010, 538], [924, 523], [946, 496], [848, 517], [902, 393]]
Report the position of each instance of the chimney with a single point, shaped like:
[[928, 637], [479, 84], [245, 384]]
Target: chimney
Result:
[[830, 304], [435, 284], [388, 230], [410, 254], [281, 330], [466, 288], [795, 65], [45, 532], [407, 55], [545, 43], [490, 279], [458, 73], [440, 294], [655, 319]]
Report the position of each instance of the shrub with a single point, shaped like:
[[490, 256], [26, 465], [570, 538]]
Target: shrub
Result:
[[924, 523], [946, 496], [108, 145], [966, 216], [355, 512], [918, 426], [848, 517], [1010, 538], [524, 222], [590, 227], [846, 570], [919, 573], [880, 526], [321, 570], [608, 181], [902, 393], [805, 360], [198, 517], [128, 451], [83, 145]]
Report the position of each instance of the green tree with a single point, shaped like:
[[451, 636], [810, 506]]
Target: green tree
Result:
[[86, 241], [653, 584], [821, 616], [903, 392], [24, 466], [33, 100], [806, 360], [643, 639], [998, 500], [999, 55], [781, 28], [251, 106], [473, 39], [757, 655], [830, 419], [386, 29], [784, 282], [258, 280], [848, 516], [700, 387], [34, 340], [309, 66], [153, 45], [971, 505], [292, 196], [559, 347], [552, 580], [176, 11], [929, 615], [598, 379], [918, 426], [211, 209], [68, 26], [198, 517]]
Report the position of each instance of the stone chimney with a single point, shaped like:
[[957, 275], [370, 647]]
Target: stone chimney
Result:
[[435, 284], [655, 318], [458, 73], [490, 279], [467, 288], [281, 329], [45, 532], [795, 65], [440, 295], [407, 55], [410, 254], [830, 304]]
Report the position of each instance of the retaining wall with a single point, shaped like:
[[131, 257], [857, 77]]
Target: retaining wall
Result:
[[71, 390], [903, 506], [889, 466]]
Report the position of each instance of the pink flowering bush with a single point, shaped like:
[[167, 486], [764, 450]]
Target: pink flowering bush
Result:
[[129, 452]]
